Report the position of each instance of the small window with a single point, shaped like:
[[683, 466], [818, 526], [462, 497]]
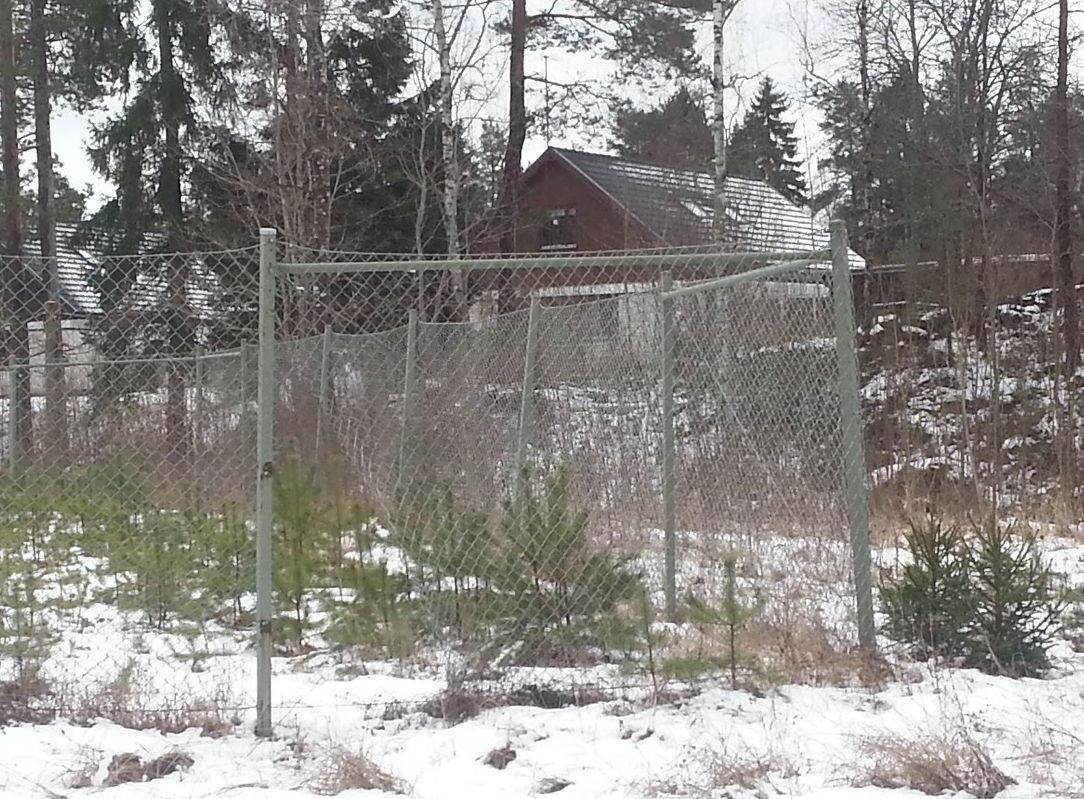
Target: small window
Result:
[[559, 230]]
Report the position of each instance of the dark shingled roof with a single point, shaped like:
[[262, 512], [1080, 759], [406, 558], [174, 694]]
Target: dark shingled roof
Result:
[[678, 205]]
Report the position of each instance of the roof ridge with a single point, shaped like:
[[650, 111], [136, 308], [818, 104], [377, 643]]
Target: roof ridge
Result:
[[649, 165]]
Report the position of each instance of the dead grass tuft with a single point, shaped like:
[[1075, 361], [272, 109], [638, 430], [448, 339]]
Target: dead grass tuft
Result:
[[123, 701], [933, 764], [801, 652], [344, 769], [727, 768], [84, 770]]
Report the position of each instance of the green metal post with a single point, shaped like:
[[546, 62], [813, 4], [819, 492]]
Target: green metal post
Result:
[[265, 454], [854, 466], [325, 382], [13, 417], [408, 391], [197, 410], [669, 521], [243, 393], [526, 402]]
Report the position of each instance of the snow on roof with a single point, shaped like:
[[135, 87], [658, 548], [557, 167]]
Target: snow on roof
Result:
[[80, 265]]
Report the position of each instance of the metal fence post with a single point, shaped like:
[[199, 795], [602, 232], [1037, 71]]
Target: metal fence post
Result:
[[243, 394], [265, 444], [197, 410], [13, 417], [526, 402], [325, 380], [854, 466], [408, 390], [669, 522]]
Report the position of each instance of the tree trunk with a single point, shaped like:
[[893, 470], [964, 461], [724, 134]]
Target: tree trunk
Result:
[[517, 128], [862, 199], [720, 12], [55, 392], [12, 276], [1063, 229], [450, 197], [169, 198]]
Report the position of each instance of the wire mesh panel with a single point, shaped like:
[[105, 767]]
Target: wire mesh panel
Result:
[[126, 504], [474, 475], [759, 463]]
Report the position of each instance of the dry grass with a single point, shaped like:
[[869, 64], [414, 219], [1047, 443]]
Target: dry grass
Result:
[[945, 762], [801, 652], [727, 768], [345, 769], [84, 770], [123, 700]]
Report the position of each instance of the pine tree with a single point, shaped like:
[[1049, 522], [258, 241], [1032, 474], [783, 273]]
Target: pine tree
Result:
[[145, 151], [764, 147], [674, 134]]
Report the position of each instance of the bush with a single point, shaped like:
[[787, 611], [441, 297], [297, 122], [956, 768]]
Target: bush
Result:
[[929, 605], [939, 763], [986, 600]]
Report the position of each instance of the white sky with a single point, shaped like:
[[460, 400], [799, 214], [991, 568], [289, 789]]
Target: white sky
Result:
[[764, 38]]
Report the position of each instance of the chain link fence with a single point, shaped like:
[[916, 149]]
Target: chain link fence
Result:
[[128, 407], [558, 470], [583, 470]]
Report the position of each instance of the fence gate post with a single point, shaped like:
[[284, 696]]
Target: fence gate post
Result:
[[197, 410], [669, 521], [265, 454], [854, 462], [408, 391], [14, 426], [526, 401], [325, 382]]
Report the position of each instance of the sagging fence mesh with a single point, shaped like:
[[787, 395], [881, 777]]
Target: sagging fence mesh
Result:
[[503, 473]]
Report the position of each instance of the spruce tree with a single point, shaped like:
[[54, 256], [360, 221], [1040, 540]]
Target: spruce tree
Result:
[[674, 134], [764, 147]]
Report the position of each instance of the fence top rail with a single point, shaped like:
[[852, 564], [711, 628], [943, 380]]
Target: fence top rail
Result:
[[608, 260], [763, 273]]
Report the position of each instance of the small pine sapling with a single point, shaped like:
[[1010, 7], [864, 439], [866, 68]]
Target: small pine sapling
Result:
[[559, 594], [930, 604], [381, 613], [1017, 612], [297, 561], [732, 615]]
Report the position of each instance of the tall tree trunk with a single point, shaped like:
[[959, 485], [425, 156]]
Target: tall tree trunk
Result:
[[318, 116], [169, 199], [12, 277], [449, 157], [720, 12], [1063, 229], [55, 393], [517, 128], [862, 198]]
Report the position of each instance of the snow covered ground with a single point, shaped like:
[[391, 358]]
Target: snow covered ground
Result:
[[790, 740]]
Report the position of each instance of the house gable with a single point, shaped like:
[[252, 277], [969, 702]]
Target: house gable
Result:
[[553, 186]]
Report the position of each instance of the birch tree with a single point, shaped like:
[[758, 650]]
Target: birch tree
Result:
[[721, 12], [1063, 201]]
